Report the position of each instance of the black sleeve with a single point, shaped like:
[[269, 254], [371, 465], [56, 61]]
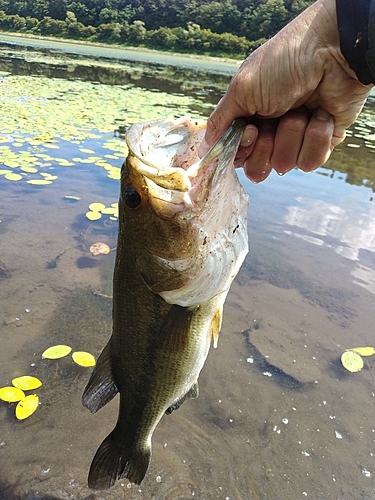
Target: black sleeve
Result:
[[356, 22]]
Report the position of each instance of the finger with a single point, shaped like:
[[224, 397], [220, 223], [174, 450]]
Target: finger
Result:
[[221, 119], [317, 144], [258, 165], [246, 145], [289, 139]]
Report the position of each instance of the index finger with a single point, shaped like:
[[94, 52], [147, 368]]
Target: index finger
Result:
[[219, 121]]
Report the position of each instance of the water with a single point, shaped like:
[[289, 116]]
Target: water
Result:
[[278, 417]]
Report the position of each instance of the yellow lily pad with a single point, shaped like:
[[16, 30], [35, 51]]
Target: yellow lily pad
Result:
[[29, 170], [83, 358], [93, 215], [109, 210], [84, 150], [363, 351], [11, 394], [13, 177], [96, 207], [352, 361], [26, 383], [48, 177], [39, 182], [27, 406], [56, 352]]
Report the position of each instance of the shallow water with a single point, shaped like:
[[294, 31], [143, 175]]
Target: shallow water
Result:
[[278, 417]]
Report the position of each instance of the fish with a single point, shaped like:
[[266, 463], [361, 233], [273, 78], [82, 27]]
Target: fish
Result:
[[182, 239]]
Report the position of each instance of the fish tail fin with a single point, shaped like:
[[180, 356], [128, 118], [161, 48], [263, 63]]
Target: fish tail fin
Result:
[[101, 387], [111, 462]]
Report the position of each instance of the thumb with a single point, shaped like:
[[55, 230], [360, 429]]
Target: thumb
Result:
[[219, 122]]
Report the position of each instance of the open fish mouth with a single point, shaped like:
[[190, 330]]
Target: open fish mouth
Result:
[[202, 196], [167, 153]]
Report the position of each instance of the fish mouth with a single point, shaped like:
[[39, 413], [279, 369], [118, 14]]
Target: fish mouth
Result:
[[167, 153]]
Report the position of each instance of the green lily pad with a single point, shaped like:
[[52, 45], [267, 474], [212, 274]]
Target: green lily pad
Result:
[[39, 182], [352, 361], [93, 215], [96, 207], [13, 177]]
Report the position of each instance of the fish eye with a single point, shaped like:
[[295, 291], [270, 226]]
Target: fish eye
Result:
[[131, 197]]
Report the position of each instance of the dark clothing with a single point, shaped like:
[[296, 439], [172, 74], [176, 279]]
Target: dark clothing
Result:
[[356, 22]]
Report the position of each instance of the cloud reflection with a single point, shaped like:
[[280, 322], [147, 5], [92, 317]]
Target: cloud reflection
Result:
[[345, 230]]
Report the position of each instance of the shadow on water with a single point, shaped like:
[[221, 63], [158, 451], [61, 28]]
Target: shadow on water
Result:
[[269, 265], [262, 365]]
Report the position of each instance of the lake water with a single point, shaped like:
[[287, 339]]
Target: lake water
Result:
[[278, 416]]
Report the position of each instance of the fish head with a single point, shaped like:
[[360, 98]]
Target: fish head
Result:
[[185, 216]]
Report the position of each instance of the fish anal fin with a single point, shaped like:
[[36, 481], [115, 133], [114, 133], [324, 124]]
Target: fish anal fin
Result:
[[193, 392], [111, 462], [101, 387], [174, 331], [216, 325]]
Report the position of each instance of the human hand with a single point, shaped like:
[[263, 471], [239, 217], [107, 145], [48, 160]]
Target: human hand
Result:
[[301, 95]]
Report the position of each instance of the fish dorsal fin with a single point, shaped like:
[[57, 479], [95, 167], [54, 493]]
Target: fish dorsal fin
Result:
[[174, 330], [101, 387], [216, 325]]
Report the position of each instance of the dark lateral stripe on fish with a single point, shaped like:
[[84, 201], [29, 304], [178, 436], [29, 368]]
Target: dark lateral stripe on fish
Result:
[[111, 463]]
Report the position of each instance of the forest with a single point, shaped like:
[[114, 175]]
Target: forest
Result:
[[221, 28]]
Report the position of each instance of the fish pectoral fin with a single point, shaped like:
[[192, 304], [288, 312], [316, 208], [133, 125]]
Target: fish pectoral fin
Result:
[[101, 387], [193, 392], [174, 330], [111, 462], [216, 325]]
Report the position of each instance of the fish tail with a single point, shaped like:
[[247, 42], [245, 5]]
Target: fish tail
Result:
[[111, 462]]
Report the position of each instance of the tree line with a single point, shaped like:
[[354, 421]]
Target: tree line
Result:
[[229, 28]]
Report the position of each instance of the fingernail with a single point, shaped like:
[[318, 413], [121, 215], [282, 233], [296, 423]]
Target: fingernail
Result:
[[203, 148], [322, 115], [248, 137]]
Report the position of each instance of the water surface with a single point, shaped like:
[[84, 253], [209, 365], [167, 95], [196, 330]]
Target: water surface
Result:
[[278, 417]]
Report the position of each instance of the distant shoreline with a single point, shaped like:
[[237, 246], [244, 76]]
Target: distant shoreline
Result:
[[112, 51]]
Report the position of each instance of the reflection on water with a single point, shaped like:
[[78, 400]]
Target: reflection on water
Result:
[[352, 233], [278, 417]]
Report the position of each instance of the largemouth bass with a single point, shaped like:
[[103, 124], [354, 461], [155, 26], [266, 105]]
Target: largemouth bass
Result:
[[182, 239]]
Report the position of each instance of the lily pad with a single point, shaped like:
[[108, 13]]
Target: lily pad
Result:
[[26, 383], [93, 215], [56, 352], [11, 394], [27, 406], [29, 170], [13, 177], [96, 207], [363, 351], [39, 182], [352, 361], [83, 358]]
